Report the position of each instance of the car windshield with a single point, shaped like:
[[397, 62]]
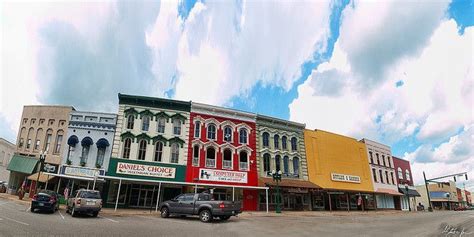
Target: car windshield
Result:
[[90, 194]]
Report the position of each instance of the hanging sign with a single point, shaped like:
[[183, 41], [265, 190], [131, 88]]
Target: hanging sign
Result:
[[146, 170], [345, 178], [222, 176]]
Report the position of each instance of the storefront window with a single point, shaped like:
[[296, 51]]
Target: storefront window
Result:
[[112, 197]]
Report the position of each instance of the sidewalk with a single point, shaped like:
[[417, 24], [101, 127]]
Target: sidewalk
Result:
[[151, 212]]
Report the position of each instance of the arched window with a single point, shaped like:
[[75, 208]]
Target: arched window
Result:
[[296, 166], [30, 138], [278, 162], [86, 144], [196, 155], [243, 136], [100, 156], [126, 148], [145, 123], [371, 157], [22, 135], [276, 141], [177, 127], [378, 159], [227, 161], [211, 131], [294, 144], [283, 143], [39, 134], [389, 163], [286, 165], [400, 173], [244, 161], [174, 153], [228, 134], [2, 158], [47, 143], [142, 149], [158, 151], [380, 174], [130, 121], [160, 128], [266, 139], [211, 157], [407, 174], [383, 160], [59, 140], [197, 129], [266, 163]]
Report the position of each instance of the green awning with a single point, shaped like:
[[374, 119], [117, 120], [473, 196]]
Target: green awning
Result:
[[22, 164]]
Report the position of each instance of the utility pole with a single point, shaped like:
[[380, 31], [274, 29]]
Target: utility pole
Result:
[[430, 208]]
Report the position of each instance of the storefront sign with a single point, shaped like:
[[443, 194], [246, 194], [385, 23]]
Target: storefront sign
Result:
[[345, 178], [81, 171], [222, 176], [146, 170], [50, 168]]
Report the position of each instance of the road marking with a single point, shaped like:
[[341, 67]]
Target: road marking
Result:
[[20, 222], [61, 214], [110, 219], [28, 209]]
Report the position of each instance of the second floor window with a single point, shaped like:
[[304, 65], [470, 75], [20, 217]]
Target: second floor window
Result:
[[196, 155], [371, 157], [400, 173], [177, 127], [48, 142], [266, 139], [381, 176], [160, 128], [244, 162], [211, 132], [100, 156], [85, 154], [374, 173], [266, 162], [130, 121], [59, 140], [174, 153], [278, 163], [243, 136], [158, 151], [227, 161], [285, 165], [142, 150], [211, 157], [145, 123], [407, 174], [126, 148], [296, 166]]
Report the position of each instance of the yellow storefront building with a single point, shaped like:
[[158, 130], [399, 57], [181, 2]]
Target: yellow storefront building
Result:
[[340, 166]]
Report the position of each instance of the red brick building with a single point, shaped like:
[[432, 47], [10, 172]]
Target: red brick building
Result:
[[222, 152], [405, 185]]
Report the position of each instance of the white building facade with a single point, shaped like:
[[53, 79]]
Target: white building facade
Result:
[[90, 137], [383, 174], [7, 149]]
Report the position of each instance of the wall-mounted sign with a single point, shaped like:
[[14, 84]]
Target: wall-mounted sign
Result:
[[81, 171], [345, 178], [146, 170], [50, 168], [222, 176]]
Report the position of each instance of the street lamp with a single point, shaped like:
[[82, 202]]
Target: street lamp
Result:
[[408, 196], [277, 178], [42, 157]]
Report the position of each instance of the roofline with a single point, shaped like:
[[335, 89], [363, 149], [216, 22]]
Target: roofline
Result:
[[59, 106], [139, 100], [9, 143], [283, 121], [320, 130], [103, 113], [365, 139], [197, 105]]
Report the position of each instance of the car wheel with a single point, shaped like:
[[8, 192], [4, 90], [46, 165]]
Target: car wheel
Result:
[[95, 214], [67, 209], [224, 218], [205, 216], [32, 209], [165, 212], [73, 212]]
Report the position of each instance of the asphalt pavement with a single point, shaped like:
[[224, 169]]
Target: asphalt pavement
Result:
[[17, 220]]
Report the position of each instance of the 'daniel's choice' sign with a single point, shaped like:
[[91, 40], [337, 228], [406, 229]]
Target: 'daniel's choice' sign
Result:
[[345, 178], [222, 176], [146, 170]]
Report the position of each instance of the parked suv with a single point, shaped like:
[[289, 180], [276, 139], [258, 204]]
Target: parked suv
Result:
[[84, 201], [202, 204]]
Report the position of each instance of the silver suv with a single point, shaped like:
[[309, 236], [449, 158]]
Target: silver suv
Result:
[[84, 201]]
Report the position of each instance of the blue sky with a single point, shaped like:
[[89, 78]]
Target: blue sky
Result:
[[350, 67]]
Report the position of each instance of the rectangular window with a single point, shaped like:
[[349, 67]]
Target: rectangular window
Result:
[[177, 127], [196, 156], [21, 143], [59, 139], [375, 175], [28, 144], [37, 144], [161, 125], [381, 176], [197, 129], [391, 174], [48, 142], [386, 177]]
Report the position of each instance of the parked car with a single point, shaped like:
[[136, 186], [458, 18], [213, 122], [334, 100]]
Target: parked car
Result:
[[202, 204], [45, 200], [3, 187], [460, 208], [84, 201]]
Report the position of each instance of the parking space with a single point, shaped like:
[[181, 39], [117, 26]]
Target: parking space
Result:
[[17, 220]]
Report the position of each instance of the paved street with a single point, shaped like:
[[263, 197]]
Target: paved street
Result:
[[17, 220]]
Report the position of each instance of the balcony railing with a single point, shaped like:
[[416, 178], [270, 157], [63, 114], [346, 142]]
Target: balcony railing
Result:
[[243, 165], [227, 164], [210, 163]]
